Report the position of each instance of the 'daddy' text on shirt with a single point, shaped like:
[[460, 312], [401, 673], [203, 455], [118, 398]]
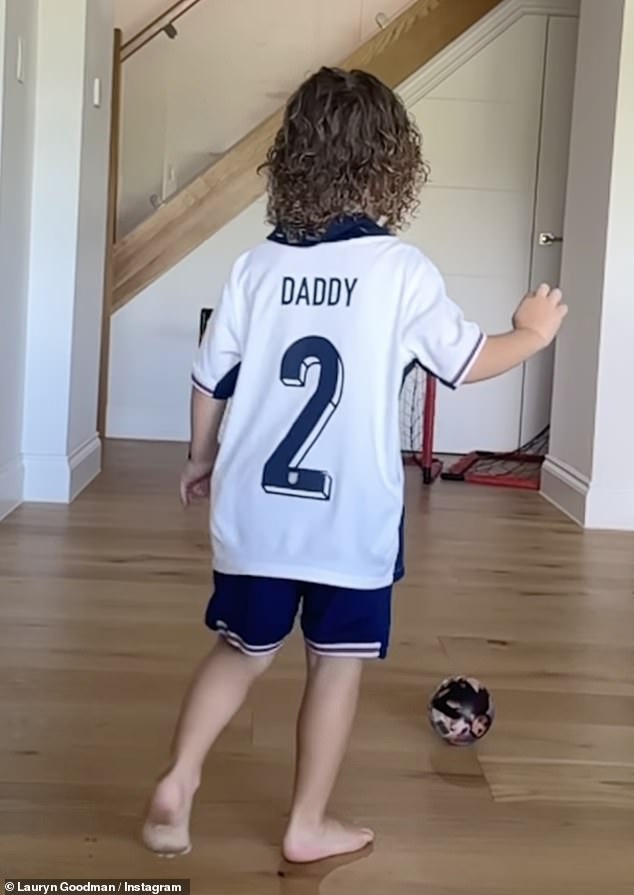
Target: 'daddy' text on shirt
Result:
[[318, 291]]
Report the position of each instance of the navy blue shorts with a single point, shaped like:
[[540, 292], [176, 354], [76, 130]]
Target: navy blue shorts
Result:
[[255, 615]]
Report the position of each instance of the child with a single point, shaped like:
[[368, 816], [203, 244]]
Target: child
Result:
[[310, 340]]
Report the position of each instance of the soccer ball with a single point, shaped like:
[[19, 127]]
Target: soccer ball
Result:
[[461, 711]]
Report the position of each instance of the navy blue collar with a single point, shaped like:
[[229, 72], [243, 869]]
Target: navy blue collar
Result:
[[339, 231]]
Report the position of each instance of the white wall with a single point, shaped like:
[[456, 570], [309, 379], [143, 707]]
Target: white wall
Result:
[[92, 219], [476, 218], [18, 19], [133, 15], [231, 66], [583, 258], [615, 429], [589, 473], [61, 447], [154, 337]]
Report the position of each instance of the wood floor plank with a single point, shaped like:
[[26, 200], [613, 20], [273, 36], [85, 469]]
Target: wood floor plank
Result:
[[101, 608], [523, 781], [560, 742], [580, 668]]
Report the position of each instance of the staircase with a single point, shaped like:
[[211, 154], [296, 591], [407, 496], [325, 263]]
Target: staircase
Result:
[[231, 183]]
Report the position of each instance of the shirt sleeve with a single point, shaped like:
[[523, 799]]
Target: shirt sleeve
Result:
[[217, 362], [436, 332]]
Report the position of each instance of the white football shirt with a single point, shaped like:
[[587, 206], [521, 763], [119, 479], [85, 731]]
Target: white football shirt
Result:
[[310, 342]]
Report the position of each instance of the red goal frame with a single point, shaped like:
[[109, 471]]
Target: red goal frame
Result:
[[430, 465]]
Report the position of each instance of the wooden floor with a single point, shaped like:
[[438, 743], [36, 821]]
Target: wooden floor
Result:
[[100, 625]]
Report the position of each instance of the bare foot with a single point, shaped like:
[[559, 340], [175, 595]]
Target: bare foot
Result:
[[305, 845], [166, 827]]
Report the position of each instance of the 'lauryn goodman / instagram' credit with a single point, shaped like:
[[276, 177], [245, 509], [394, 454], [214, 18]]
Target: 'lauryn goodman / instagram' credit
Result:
[[124, 886]]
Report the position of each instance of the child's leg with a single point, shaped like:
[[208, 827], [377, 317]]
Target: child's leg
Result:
[[343, 628], [253, 615], [323, 730], [217, 692]]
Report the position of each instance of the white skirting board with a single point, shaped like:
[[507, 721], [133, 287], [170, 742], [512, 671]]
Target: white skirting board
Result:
[[566, 488], [59, 478], [11, 485], [587, 503]]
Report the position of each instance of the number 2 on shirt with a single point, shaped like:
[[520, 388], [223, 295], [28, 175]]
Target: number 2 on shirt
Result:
[[283, 473]]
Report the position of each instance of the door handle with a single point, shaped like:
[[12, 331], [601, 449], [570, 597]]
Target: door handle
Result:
[[548, 239]]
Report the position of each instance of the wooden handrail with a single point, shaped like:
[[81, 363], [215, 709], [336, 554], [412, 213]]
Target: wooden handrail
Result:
[[156, 27], [111, 233]]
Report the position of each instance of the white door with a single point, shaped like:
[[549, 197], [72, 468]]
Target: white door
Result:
[[561, 50], [483, 135]]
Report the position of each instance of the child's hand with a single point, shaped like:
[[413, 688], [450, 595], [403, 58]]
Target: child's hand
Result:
[[195, 481], [541, 313]]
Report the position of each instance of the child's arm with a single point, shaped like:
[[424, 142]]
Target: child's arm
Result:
[[214, 377], [206, 417], [536, 323]]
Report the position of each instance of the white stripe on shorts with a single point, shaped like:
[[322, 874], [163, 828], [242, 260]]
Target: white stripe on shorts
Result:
[[247, 648], [376, 645], [346, 650]]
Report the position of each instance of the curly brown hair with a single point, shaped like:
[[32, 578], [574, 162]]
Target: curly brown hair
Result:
[[347, 147]]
